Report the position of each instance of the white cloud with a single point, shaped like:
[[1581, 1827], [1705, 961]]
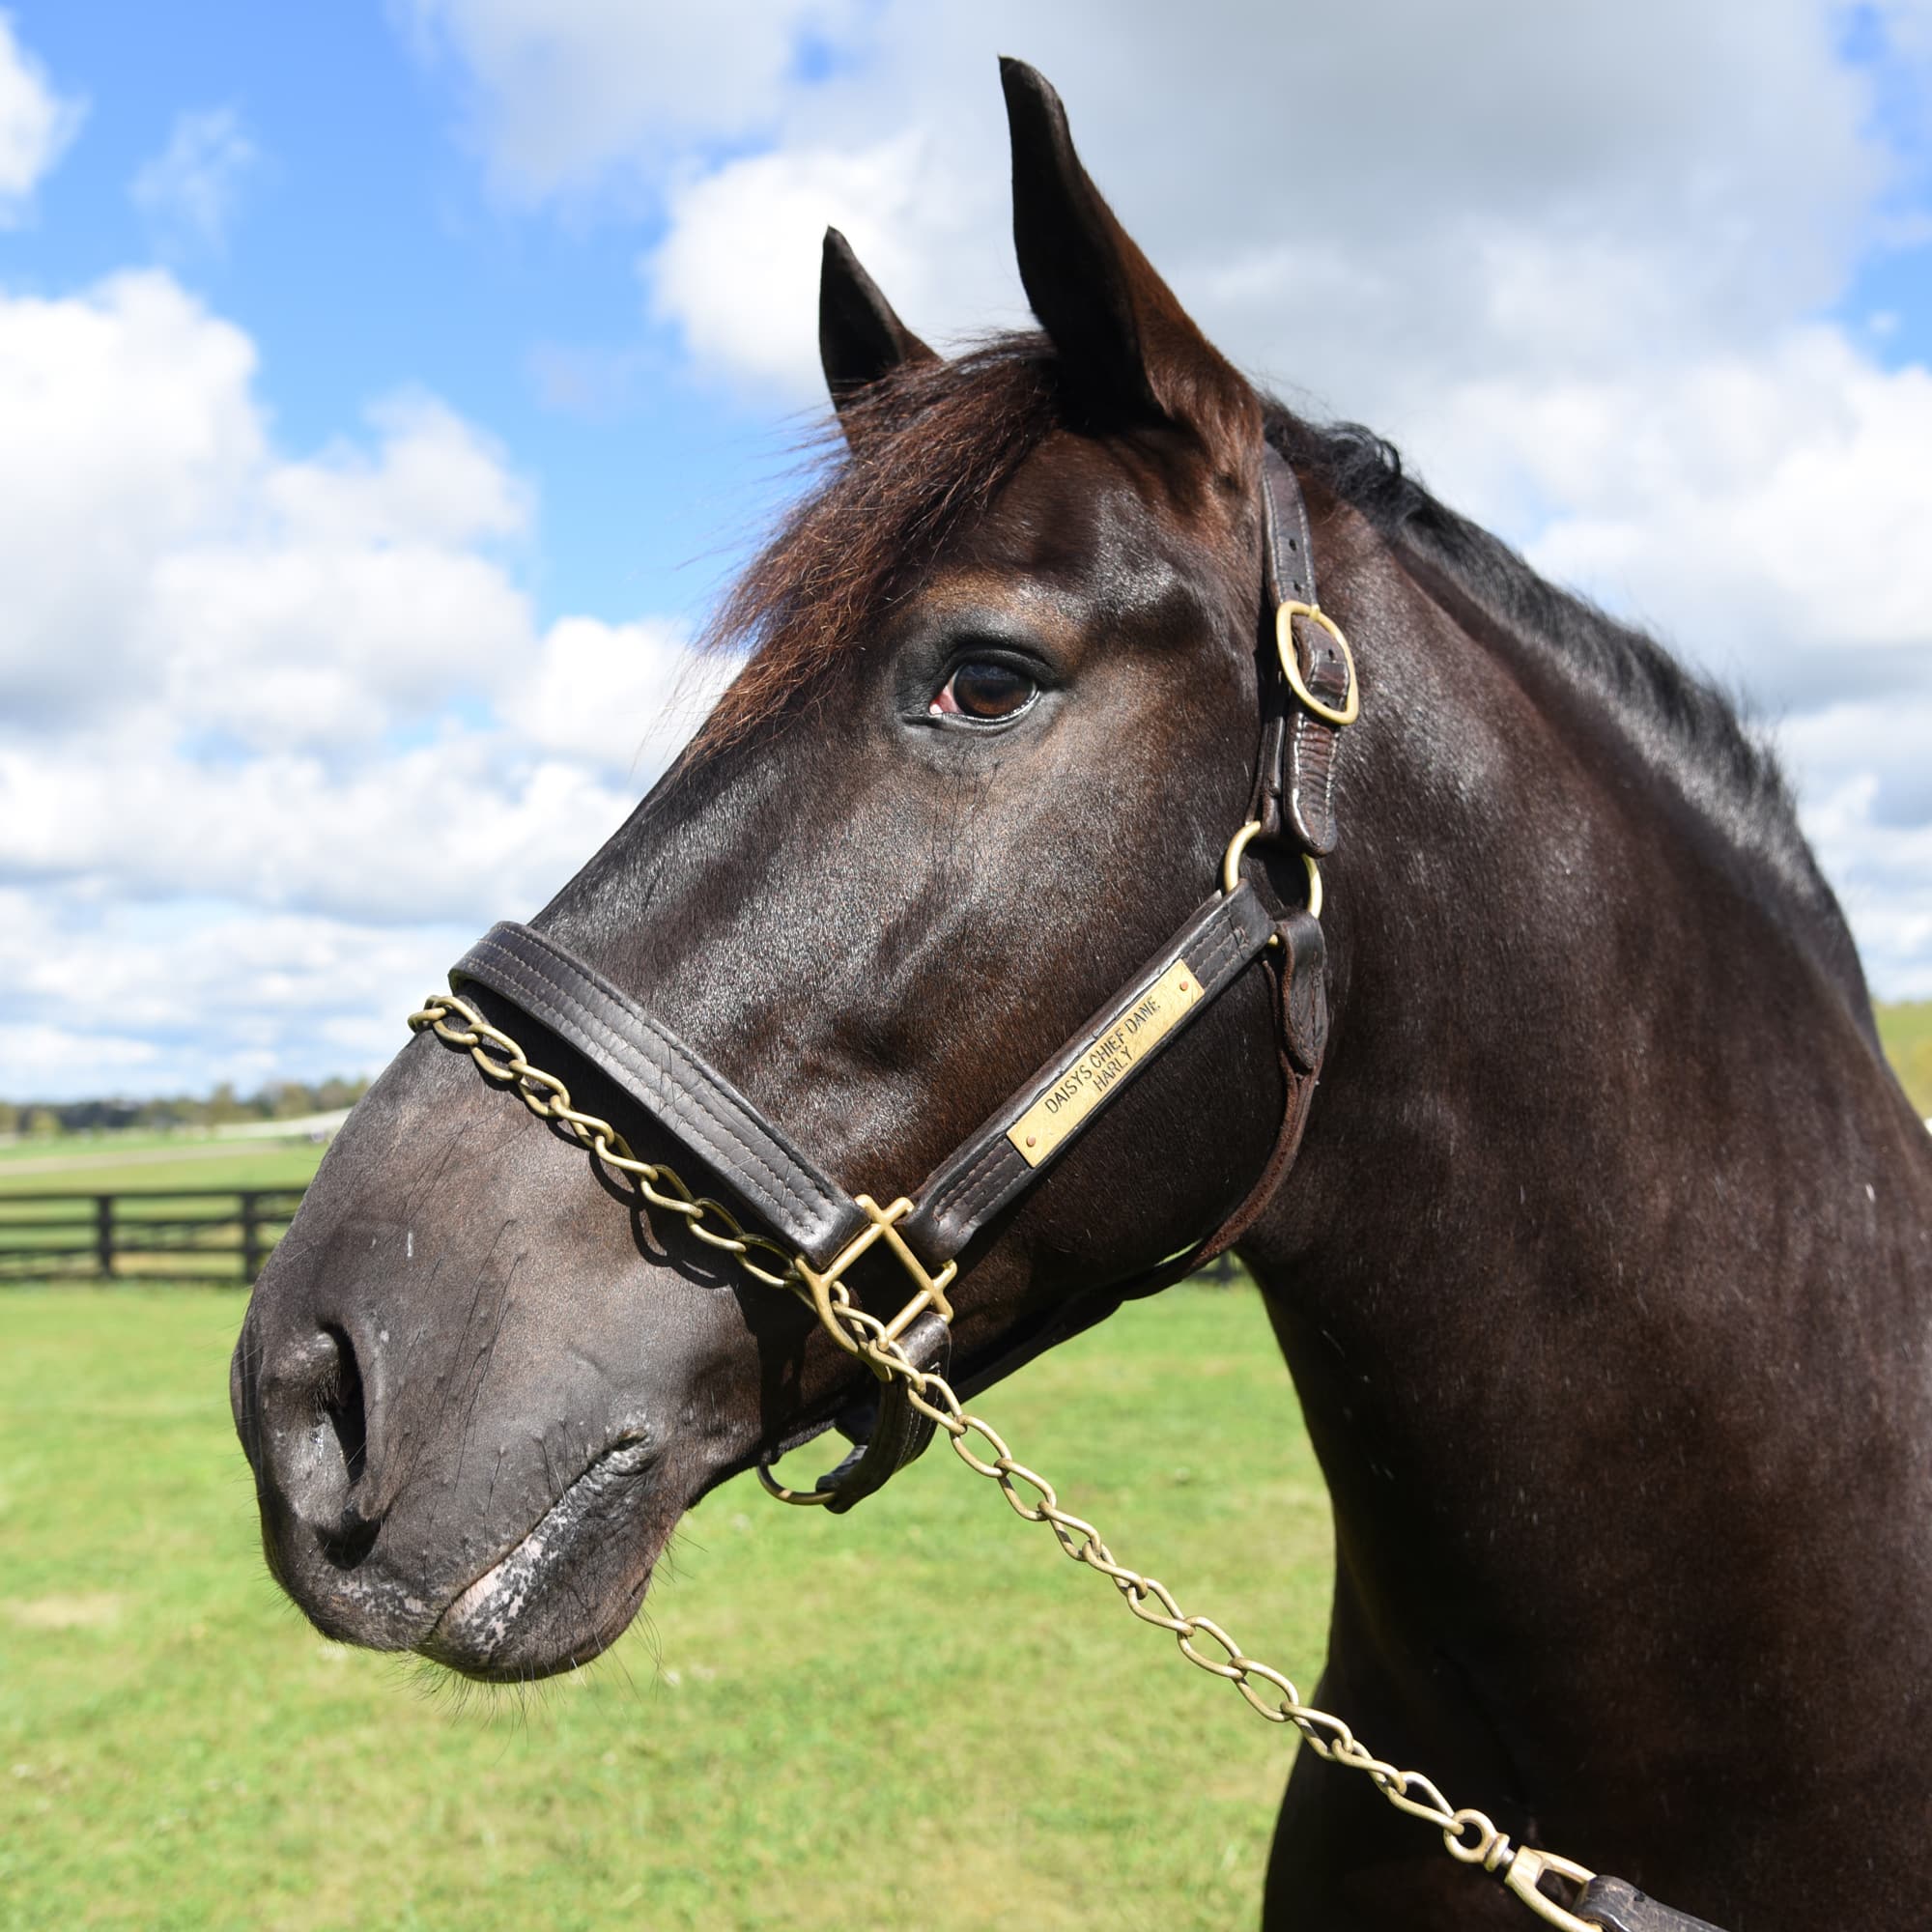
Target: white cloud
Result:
[[737, 273], [566, 92], [40, 1053], [191, 191], [337, 596], [155, 548], [1764, 509], [36, 125], [130, 429], [1359, 203], [1880, 871], [287, 643], [260, 713], [297, 997], [1875, 746], [433, 475], [622, 697], [392, 838]]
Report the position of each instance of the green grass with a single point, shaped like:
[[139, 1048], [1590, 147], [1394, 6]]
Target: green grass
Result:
[[101, 1165], [1906, 1029], [117, 1139], [917, 1713]]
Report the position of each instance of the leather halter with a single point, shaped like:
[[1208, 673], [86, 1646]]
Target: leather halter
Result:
[[1307, 692]]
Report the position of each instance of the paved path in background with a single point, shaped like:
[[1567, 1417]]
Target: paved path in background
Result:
[[106, 1157]]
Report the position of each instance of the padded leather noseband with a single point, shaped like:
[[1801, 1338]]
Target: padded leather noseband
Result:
[[671, 1082], [1016, 1148]]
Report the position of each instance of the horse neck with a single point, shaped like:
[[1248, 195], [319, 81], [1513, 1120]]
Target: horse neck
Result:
[[1608, 1206]]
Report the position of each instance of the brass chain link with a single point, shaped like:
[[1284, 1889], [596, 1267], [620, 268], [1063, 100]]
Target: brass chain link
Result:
[[1470, 1835]]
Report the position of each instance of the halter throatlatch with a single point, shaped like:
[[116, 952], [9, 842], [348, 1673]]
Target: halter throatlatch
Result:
[[1308, 695]]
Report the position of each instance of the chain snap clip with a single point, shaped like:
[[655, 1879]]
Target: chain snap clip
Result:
[[1526, 1865]]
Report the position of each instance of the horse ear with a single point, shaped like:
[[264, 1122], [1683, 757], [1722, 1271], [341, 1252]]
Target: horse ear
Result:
[[1118, 326], [860, 338]]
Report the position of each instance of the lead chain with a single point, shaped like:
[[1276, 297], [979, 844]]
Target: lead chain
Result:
[[1469, 1836]]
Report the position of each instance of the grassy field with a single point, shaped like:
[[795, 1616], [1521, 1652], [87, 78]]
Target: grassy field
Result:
[[35, 1152], [102, 1164], [1906, 1029], [812, 1712], [925, 1678]]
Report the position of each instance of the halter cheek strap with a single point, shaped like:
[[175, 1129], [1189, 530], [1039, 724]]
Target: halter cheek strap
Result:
[[1307, 692], [1308, 677], [1305, 675]]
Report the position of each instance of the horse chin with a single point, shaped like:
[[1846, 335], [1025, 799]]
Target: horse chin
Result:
[[568, 1589]]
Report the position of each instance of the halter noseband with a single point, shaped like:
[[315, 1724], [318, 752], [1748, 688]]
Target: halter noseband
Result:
[[1307, 693]]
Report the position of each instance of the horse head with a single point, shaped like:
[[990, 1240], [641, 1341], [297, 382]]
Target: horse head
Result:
[[998, 721]]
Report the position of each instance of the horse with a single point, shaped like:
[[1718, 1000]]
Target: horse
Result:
[[1599, 1258]]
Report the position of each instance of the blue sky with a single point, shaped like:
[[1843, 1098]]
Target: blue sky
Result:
[[393, 386], [366, 253]]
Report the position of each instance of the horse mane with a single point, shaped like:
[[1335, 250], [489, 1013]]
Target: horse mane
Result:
[[1684, 725], [918, 456]]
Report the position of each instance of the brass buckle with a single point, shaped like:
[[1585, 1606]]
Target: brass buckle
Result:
[[930, 1293], [1290, 662], [931, 1288]]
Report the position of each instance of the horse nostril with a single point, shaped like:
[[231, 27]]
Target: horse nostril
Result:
[[315, 1426], [350, 1539], [342, 1405]]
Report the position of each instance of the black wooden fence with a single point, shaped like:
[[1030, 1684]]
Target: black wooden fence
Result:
[[185, 1234], [160, 1235]]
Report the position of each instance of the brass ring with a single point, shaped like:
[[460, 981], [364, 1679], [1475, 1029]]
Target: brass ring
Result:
[[1290, 662], [805, 1498], [1231, 866], [1231, 861]]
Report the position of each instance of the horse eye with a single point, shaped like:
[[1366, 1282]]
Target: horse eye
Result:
[[982, 689]]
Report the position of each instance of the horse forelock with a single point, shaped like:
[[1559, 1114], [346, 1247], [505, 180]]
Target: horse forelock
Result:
[[913, 463], [925, 451]]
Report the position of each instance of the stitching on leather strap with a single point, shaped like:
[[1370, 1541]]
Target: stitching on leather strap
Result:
[[960, 1194], [532, 976], [512, 965]]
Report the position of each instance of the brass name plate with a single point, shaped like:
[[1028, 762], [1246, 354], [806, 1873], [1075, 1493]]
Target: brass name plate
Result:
[[1086, 1084]]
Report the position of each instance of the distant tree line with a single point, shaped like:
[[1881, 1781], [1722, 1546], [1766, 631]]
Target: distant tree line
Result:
[[279, 1101]]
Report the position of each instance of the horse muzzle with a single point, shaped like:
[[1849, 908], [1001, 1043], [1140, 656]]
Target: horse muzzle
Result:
[[566, 1591], [500, 1579], [472, 1426]]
